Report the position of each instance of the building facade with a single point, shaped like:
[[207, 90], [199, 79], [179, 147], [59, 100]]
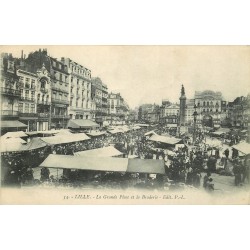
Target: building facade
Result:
[[10, 93], [239, 112], [80, 103], [209, 105], [117, 108], [27, 106], [100, 98], [169, 113]]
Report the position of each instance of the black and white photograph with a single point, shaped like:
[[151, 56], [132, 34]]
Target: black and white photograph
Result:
[[125, 124]]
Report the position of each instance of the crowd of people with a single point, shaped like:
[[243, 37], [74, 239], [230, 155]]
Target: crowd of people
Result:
[[183, 165]]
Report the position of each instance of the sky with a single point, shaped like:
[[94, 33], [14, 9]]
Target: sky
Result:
[[148, 74]]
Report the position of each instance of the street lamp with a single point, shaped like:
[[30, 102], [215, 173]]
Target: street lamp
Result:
[[195, 114]]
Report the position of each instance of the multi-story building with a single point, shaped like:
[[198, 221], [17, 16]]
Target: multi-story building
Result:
[[97, 93], [59, 77], [239, 112], [27, 105], [210, 108], [118, 108], [10, 95], [169, 112], [80, 103], [104, 102], [153, 115]]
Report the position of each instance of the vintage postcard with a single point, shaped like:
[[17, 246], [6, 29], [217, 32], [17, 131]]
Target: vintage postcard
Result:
[[125, 125]]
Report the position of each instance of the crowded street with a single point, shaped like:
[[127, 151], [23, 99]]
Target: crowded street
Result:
[[211, 163]]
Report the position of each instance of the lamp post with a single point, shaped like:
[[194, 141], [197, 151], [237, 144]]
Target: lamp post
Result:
[[195, 114]]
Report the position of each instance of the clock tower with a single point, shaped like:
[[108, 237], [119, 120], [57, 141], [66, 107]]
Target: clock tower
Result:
[[182, 107]]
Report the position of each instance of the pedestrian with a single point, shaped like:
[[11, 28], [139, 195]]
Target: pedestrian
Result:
[[206, 179], [226, 152], [237, 173]]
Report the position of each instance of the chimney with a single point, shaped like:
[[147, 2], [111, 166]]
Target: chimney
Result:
[[22, 55]]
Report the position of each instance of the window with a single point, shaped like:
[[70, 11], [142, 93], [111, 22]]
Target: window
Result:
[[207, 103], [20, 107], [27, 82], [54, 95], [26, 108], [33, 83], [32, 108], [204, 104], [87, 117], [216, 110], [32, 95], [26, 94], [60, 97], [60, 77]]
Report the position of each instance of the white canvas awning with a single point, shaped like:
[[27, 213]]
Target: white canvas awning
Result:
[[243, 147], [165, 139], [100, 152]]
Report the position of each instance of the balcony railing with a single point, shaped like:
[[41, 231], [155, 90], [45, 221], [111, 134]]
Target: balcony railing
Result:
[[43, 115], [60, 101], [28, 114], [44, 90], [9, 113], [27, 99], [60, 116], [79, 109], [64, 90], [43, 102], [11, 92]]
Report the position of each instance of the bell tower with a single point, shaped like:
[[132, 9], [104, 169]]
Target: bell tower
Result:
[[182, 107]]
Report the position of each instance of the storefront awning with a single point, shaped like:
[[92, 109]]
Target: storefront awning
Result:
[[13, 124], [79, 123]]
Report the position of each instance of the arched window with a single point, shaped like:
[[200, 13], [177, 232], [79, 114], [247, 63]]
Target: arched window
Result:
[[207, 103]]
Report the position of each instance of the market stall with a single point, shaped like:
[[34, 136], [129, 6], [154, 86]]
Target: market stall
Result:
[[109, 151]]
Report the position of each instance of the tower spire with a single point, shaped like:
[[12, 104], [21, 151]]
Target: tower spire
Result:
[[182, 90]]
